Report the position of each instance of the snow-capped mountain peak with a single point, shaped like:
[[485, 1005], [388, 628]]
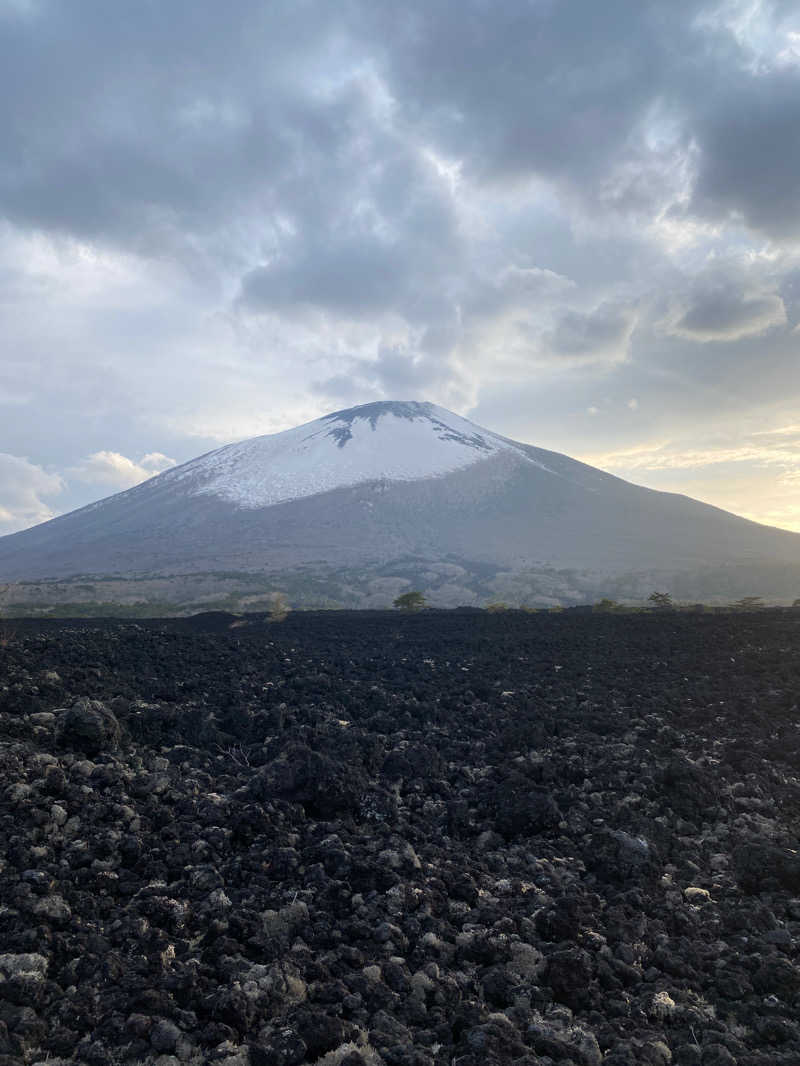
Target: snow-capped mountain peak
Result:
[[392, 440], [482, 515]]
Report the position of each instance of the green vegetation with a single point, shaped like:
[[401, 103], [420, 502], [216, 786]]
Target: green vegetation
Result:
[[410, 601], [662, 601], [748, 603], [105, 609]]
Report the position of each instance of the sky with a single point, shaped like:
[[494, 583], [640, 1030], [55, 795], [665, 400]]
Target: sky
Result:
[[576, 223]]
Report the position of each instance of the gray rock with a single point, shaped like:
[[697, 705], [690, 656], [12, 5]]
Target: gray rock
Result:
[[43, 718], [760, 867], [164, 1035], [88, 726], [27, 964], [618, 856], [54, 908], [717, 1055], [782, 938]]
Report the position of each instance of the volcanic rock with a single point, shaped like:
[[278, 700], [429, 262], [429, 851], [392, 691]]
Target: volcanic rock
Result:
[[544, 888], [87, 726]]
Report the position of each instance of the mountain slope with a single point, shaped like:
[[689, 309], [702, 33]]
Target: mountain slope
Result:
[[383, 482]]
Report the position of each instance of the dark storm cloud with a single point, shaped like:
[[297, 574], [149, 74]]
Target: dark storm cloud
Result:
[[289, 138], [144, 123], [140, 123], [522, 88], [749, 153]]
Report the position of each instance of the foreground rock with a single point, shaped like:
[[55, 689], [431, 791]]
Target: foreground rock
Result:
[[87, 726], [380, 840]]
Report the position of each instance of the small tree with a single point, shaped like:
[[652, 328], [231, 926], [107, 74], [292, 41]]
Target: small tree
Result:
[[496, 608], [606, 605], [796, 603], [662, 601], [410, 601], [748, 603]]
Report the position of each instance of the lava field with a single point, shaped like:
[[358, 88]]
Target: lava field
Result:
[[450, 838]]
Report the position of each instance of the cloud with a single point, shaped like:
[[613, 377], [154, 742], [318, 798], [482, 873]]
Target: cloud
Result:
[[154, 132], [571, 86], [749, 152], [722, 314], [263, 134], [780, 431], [22, 487], [156, 129], [117, 471], [732, 297], [515, 288], [381, 237], [598, 336], [223, 222], [399, 374], [669, 456]]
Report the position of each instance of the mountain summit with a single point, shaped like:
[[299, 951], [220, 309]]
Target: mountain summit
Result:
[[389, 441], [357, 505]]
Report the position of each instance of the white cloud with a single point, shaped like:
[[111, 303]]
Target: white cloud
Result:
[[665, 456], [118, 471], [22, 488], [156, 462]]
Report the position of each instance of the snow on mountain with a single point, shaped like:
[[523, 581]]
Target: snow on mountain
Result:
[[393, 441]]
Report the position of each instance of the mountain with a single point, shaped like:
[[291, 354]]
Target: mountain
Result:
[[359, 503]]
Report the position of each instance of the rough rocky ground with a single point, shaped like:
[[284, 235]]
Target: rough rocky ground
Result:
[[446, 838]]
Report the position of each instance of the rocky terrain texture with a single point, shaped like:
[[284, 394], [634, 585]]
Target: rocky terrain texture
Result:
[[444, 838]]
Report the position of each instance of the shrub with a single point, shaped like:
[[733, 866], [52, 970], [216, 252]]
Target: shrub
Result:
[[748, 603], [279, 608], [662, 601], [410, 601]]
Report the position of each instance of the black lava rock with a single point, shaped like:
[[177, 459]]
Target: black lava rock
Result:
[[87, 726], [401, 841]]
